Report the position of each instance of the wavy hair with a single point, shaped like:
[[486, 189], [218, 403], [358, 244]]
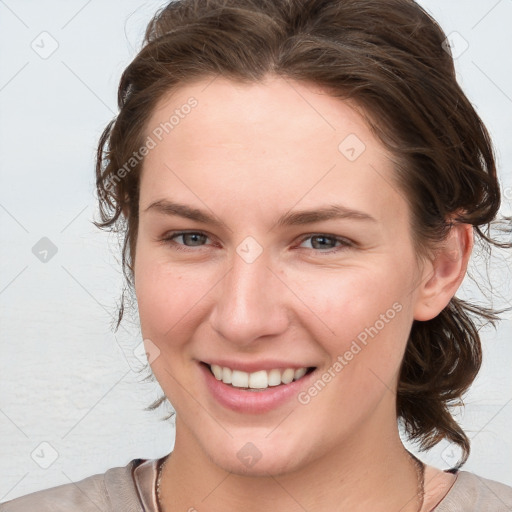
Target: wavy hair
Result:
[[390, 59]]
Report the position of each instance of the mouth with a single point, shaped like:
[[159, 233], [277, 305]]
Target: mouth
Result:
[[259, 380]]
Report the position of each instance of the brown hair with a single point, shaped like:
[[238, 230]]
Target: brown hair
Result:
[[390, 58]]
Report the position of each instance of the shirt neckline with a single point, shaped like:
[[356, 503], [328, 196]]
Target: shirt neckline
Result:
[[145, 475]]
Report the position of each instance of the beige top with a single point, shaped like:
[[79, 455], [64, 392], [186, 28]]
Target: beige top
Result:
[[132, 488]]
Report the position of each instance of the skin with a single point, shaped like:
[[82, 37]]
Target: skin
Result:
[[248, 154]]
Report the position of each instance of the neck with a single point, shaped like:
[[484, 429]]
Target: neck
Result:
[[381, 477]]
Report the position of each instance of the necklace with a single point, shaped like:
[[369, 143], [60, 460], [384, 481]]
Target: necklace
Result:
[[420, 468], [158, 499]]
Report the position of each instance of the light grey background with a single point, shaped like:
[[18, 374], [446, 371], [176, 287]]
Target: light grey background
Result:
[[65, 380]]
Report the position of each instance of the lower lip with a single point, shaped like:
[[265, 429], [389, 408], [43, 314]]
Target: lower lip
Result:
[[252, 401]]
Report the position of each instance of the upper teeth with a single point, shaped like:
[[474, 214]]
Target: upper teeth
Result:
[[257, 380]]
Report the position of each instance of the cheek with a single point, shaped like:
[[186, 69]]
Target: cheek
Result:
[[164, 295], [361, 320], [168, 304], [346, 302], [172, 300], [161, 306]]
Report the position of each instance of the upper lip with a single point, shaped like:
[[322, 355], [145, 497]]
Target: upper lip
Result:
[[254, 366]]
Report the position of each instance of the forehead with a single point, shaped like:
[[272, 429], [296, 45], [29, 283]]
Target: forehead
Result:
[[275, 142], [236, 112]]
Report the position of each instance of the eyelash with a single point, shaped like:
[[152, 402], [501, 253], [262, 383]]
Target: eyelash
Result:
[[168, 240]]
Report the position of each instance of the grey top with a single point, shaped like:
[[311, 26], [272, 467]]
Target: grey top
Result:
[[132, 489]]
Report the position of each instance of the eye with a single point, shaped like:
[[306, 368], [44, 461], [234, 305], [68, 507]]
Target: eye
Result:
[[190, 239], [324, 241]]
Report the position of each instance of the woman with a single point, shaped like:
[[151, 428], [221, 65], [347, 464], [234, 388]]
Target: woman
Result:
[[299, 184]]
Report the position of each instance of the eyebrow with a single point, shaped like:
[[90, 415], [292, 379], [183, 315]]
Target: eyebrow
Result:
[[295, 218]]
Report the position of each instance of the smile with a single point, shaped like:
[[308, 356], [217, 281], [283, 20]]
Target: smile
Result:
[[261, 379]]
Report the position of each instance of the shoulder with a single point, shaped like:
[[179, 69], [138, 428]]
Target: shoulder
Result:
[[471, 492], [107, 492]]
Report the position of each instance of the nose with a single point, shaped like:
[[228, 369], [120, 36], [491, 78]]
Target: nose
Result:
[[250, 303]]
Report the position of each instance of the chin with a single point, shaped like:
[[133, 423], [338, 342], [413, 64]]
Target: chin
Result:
[[264, 467], [261, 457]]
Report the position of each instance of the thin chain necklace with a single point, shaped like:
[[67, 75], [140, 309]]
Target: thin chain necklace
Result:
[[420, 467], [160, 470]]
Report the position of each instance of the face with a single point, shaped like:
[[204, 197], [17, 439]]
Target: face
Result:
[[297, 253]]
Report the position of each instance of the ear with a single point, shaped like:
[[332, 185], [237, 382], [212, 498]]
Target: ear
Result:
[[444, 272]]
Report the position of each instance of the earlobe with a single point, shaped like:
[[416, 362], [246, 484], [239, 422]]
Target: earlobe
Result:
[[445, 272]]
